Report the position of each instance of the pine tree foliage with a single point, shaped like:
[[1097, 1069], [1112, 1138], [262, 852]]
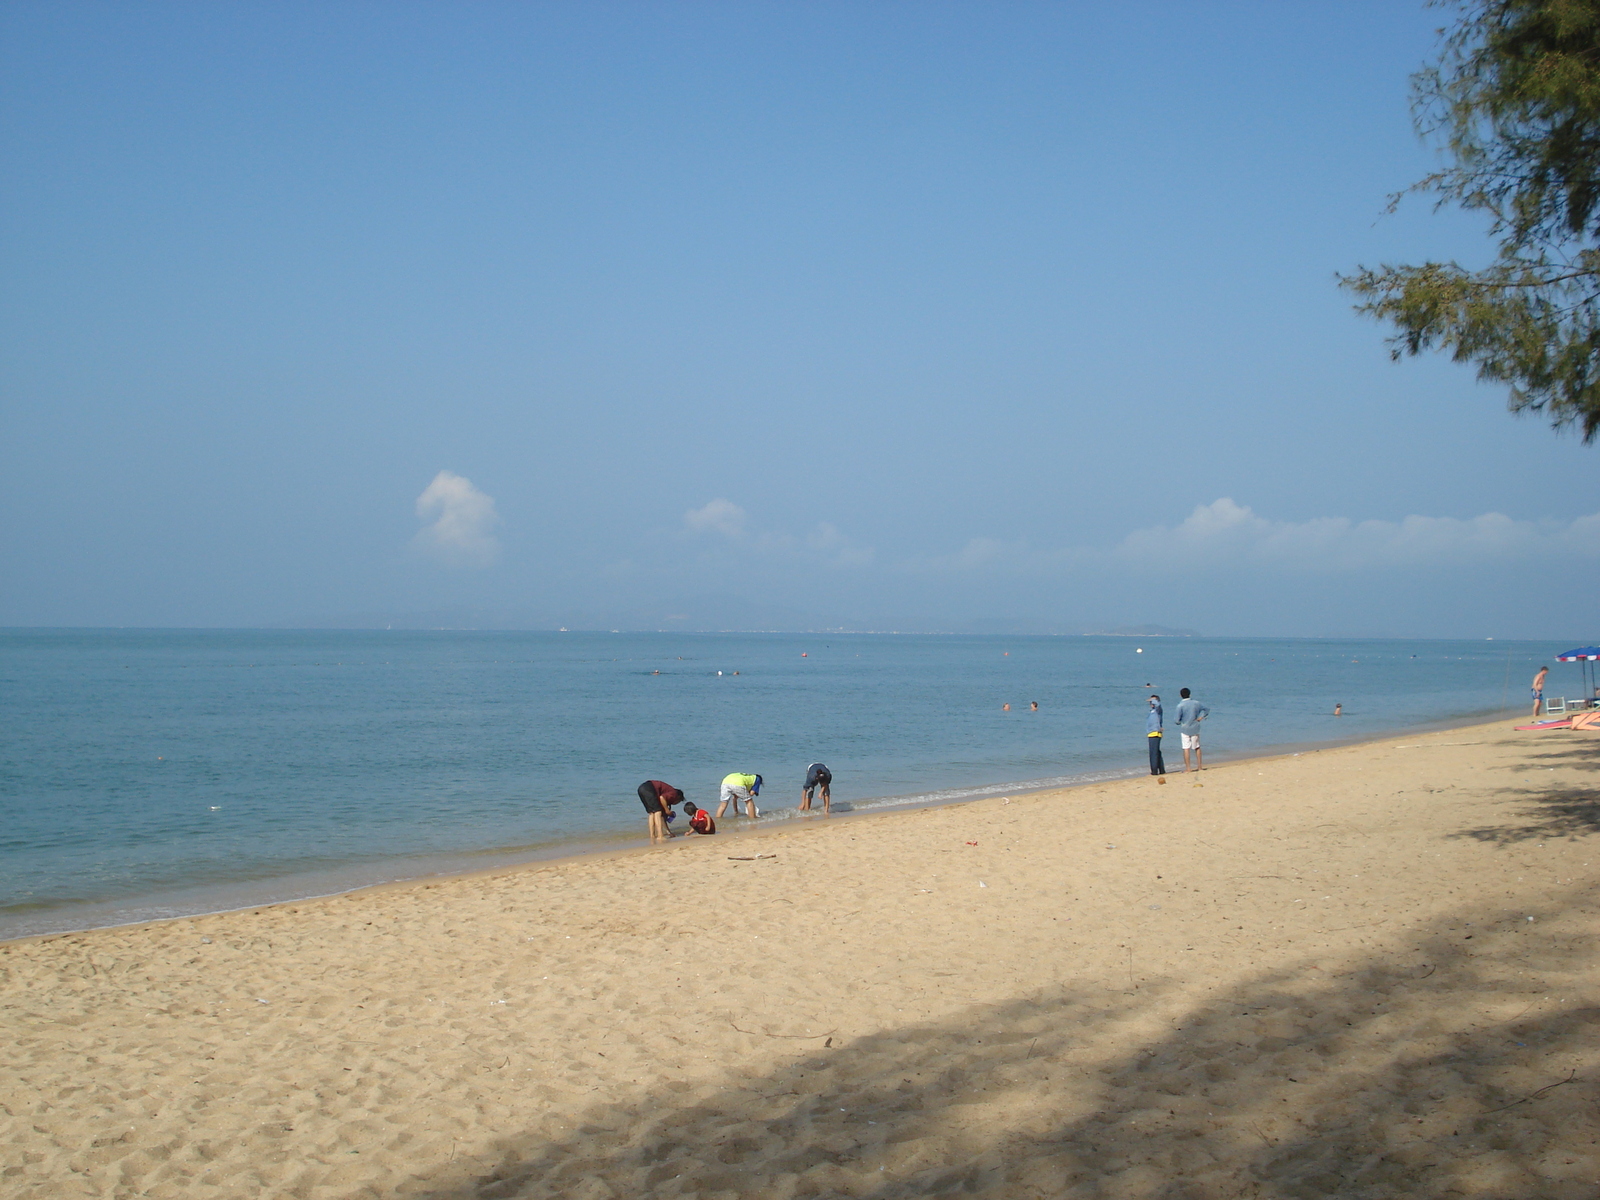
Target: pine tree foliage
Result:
[[1515, 100]]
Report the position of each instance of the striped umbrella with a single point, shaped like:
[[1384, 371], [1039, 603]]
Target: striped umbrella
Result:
[[1583, 655]]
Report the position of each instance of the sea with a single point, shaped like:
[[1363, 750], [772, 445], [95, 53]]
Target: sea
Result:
[[147, 774]]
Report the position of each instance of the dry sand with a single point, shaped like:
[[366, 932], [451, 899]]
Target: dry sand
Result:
[[1313, 976]]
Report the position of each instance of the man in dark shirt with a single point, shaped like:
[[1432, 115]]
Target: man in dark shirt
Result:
[[658, 799], [818, 776]]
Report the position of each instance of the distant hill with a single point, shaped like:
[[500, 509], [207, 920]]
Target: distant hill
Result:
[[1145, 631], [696, 614]]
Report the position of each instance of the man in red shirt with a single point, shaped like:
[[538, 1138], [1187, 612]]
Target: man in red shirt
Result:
[[658, 799]]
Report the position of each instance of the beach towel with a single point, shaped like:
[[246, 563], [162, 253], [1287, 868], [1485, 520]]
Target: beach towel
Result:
[[1588, 720]]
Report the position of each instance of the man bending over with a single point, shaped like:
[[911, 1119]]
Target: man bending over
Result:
[[738, 787], [658, 799], [817, 776]]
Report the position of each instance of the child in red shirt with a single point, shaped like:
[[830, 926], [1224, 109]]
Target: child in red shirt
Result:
[[699, 819]]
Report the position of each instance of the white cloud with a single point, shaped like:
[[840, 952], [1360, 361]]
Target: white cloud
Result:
[[719, 516], [1228, 535], [1226, 532], [825, 543], [979, 552], [460, 519]]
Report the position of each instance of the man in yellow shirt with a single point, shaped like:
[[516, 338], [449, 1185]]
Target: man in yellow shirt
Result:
[[738, 787]]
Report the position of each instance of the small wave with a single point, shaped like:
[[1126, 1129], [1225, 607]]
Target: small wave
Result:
[[956, 795]]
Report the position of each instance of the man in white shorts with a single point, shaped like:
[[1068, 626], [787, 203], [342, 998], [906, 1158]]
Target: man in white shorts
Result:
[[738, 787], [1188, 717]]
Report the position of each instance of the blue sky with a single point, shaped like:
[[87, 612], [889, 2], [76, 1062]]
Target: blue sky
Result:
[[894, 315]]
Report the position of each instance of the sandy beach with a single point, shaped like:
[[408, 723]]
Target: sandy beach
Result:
[[1368, 971]]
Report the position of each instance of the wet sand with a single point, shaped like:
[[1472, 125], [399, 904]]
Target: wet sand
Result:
[[1313, 975]]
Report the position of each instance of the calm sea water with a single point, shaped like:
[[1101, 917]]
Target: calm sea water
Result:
[[157, 773]]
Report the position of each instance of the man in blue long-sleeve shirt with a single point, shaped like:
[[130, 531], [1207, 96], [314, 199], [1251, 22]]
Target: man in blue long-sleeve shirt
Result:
[[1152, 735], [1188, 717]]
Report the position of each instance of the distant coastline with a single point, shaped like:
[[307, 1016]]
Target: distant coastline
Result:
[[1144, 631], [698, 614]]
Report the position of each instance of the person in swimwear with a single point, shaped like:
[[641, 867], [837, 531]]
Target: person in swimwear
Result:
[[817, 776], [658, 799], [737, 787], [1538, 691], [699, 819]]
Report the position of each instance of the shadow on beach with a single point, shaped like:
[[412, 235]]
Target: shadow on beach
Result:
[[1449, 1063], [1549, 813], [1581, 752]]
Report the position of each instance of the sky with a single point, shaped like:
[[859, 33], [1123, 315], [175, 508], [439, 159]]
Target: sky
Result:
[[934, 316]]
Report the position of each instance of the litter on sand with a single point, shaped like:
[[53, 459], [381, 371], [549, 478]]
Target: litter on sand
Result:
[[748, 857]]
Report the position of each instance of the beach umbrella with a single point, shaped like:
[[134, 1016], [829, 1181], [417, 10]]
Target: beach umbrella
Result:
[[1583, 656]]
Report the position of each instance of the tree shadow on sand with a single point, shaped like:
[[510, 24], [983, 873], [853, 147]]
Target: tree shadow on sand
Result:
[[1548, 812], [1440, 1066], [1564, 813], [1578, 751]]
